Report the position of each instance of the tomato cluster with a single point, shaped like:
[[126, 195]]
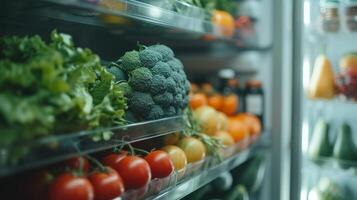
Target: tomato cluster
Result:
[[116, 173]]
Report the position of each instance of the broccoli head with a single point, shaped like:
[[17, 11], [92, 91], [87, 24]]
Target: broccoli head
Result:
[[158, 84], [130, 61], [169, 111], [140, 102], [125, 87], [175, 65], [118, 73], [156, 112], [149, 58], [140, 79], [161, 68], [166, 53], [164, 99]]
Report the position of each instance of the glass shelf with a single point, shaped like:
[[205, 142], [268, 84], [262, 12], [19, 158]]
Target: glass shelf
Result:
[[127, 12], [344, 167], [192, 183], [23, 156]]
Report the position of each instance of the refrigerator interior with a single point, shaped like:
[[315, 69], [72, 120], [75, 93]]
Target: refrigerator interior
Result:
[[266, 56]]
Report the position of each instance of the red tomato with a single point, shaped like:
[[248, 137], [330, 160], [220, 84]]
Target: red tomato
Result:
[[107, 185], [70, 187], [160, 163], [135, 172], [113, 159], [76, 162]]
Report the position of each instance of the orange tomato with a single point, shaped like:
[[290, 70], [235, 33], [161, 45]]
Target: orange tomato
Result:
[[230, 104], [225, 20], [194, 149], [207, 88], [172, 139], [251, 121], [225, 138], [197, 100], [216, 101], [237, 129]]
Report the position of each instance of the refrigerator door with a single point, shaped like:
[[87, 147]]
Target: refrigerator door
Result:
[[324, 107]]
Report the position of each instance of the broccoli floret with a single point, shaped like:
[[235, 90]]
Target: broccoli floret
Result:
[[165, 51], [175, 65], [118, 73], [140, 103], [130, 61], [171, 85], [125, 87], [178, 100], [158, 84], [164, 99], [185, 102], [169, 111], [177, 77], [161, 68], [187, 86], [156, 112], [140, 79], [149, 58]]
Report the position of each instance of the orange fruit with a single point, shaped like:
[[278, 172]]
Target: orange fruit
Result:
[[225, 20], [198, 100], [237, 129], [216, 101], [251, 121], [230, 104], [207, 88], [225, 138]]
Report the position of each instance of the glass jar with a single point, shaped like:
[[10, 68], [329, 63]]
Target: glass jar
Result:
[[254, 99], [329, 15], [351, 15]]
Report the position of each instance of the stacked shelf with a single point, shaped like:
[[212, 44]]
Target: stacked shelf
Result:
[[201, 178], [56, 148]]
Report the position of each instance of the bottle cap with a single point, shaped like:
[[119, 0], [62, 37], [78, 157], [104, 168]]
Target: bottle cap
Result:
[[253, 84]]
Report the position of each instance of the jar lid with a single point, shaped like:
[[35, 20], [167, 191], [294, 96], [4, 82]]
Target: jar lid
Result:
[[233, 83], [253, 84]]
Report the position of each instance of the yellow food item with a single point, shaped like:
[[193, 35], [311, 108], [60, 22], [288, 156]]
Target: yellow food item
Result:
[[349, 61], [194, 149], [322, 85], [208, 119]]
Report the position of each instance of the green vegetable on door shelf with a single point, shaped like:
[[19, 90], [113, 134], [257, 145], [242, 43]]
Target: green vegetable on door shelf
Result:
[[344, 148], [320, 145]]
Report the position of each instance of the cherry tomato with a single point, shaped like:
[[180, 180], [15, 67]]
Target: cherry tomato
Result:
[[76, 163], [70, 187], [107, 185], [113, 159], [194, 149], [160, 163], [134, 171], [177, 156]]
